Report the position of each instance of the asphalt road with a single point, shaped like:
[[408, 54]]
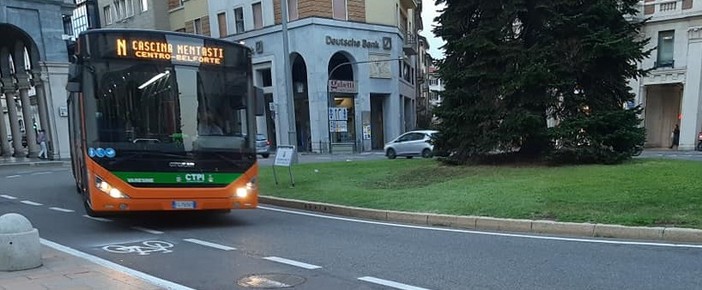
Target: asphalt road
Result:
[[323, 252]]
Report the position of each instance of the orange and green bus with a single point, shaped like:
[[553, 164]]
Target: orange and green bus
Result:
[[162, 121]]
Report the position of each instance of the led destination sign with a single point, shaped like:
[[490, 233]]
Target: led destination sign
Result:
[[159, 50]]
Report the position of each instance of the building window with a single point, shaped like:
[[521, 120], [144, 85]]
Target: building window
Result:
[[666, 40], [144, 5], [339, 7], [257, 15], [222, 22], [239, 20], [293, 14], [107, 11], [197, 26], [129, 7]]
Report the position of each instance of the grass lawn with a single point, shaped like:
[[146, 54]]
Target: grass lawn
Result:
[[651, 192]]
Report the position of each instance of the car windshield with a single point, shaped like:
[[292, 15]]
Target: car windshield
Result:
[[168, 108]]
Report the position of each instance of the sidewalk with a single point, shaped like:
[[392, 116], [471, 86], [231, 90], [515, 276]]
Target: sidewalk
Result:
[[61, 270], [23, 161]]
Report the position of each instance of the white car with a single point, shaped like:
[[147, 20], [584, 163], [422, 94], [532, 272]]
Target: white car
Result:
[[410, 144]]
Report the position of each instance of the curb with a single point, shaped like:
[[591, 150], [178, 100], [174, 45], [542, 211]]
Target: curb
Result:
[[668, 234], [35, 164]]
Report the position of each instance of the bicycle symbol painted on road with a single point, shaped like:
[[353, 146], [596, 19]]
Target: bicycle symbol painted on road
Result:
[[143, 249]]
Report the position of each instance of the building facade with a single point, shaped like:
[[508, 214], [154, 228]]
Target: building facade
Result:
[[146, 14], [190, 16], [424, 107], [33, 74], [436, 86], [353, 68], [671, 93], [85, 16]]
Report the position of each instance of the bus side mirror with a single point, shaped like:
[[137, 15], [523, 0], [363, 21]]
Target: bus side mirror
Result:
[[260, 102], [75, 73], [73, 87]]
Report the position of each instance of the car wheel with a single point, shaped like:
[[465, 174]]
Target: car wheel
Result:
[[265, 155], [426, 153], [391, 154], [409, 157]]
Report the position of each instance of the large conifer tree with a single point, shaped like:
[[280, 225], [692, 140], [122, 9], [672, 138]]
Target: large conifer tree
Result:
[[511, 64]]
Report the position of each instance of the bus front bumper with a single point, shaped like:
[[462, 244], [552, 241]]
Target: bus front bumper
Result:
[[170, 204]]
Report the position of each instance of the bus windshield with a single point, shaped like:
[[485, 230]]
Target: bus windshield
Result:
[[165, 107]]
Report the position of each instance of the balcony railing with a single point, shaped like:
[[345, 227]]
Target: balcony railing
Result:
[[410, 45], [663, 8]]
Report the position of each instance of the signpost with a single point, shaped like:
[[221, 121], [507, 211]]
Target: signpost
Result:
[[285, 156]]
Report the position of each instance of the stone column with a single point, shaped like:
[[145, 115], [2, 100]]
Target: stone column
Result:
[[4, 143], [56, 99], [9, 91], [24, 85], [38, 80], [692, 94]]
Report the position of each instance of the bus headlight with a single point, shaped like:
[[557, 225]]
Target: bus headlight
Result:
[[107, 188], [243, 192]]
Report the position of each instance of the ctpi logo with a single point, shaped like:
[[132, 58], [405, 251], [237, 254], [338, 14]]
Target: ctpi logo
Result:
[[195, 177]]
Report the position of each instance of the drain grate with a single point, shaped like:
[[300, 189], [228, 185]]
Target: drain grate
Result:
[[270, 281]]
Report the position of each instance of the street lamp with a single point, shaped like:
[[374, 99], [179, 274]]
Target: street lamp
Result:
[[290, 97], [331, 72]]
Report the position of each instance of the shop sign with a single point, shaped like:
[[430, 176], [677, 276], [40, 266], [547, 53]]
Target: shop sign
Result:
[[352, 42], [338, 86]]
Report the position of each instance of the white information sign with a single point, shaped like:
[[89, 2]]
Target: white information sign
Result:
[[284, 156]]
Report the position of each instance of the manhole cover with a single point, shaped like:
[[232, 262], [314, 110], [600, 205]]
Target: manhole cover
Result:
[[270, 281]]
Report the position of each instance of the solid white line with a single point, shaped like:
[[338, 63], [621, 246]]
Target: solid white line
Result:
[[12, 176], [31, 203], [116, 267], [155, 232], [97, 218], [208, 244], [292, 263], [8, 196], [40, 173], [390, 283], [488, 233], [61, 209]]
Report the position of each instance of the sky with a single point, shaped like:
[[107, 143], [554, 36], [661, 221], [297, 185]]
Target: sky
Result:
[[429, 12]]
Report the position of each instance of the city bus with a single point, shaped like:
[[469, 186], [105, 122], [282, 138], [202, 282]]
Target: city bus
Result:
[[162, 121]]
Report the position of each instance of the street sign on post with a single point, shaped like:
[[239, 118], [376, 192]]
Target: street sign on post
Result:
[[285, 156]]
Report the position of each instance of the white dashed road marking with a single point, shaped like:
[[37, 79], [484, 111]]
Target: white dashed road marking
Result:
[[12, 176], [97, 218], [61, 209], [8, 196], [41, 173], [31, 203], [208, 244], [389, 283], [150, 231], [292, 263]]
